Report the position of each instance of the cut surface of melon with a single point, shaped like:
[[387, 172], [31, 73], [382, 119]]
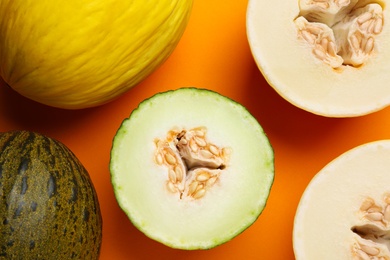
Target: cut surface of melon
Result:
[[330, 58], [344, 212], [179, 137]]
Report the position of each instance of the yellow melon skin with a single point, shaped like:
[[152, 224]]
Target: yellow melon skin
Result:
[[77, 54]]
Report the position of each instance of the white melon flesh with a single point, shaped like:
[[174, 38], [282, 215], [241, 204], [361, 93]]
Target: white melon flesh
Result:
[[290, 67], [231, 205], [344, 212]]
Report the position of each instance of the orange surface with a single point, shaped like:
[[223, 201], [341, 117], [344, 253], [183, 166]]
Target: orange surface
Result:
[[214, 54]]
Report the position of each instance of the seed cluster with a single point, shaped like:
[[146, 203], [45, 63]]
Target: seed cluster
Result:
[[374, 232], [194, 164], [321, 39], [367, 251], [340, 32], [375, 213], [327, 4], [203, 180]]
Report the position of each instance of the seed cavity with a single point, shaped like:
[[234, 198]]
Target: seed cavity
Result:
[[373, 235], [193, 163], [340, 32]]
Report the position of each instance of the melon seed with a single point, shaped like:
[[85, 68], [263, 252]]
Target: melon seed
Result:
[[203, 176], [192, 188], [199, 194], [170, 158], [386, 213], [370, 250]]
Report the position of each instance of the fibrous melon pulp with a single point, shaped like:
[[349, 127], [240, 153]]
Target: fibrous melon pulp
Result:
[[191, 168], [328, 57]]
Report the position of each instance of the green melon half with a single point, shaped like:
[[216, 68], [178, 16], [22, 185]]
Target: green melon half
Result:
[[175, 219]]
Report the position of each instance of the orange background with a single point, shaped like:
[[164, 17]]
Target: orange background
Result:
[[214, 54]]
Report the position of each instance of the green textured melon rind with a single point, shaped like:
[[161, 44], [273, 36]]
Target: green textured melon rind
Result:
[[48, 204], [230, 207]]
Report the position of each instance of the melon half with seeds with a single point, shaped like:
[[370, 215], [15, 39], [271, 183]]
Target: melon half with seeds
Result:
[[344, 212], [328, 57], [191, 168]]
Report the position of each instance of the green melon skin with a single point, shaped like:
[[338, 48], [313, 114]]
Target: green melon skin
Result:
[[229, 207], [48, 205]]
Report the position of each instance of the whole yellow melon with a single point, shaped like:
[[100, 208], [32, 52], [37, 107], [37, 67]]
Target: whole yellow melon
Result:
[[76, 54]]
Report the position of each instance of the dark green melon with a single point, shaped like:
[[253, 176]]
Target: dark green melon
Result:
[[48, 205]]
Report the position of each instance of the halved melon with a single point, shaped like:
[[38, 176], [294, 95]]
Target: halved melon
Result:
[[191, 168], [331, 58], [344, 212]]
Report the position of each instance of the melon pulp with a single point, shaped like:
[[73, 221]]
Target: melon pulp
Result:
[[191, 168], [344, 213], [330, 58], [77, 54]]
